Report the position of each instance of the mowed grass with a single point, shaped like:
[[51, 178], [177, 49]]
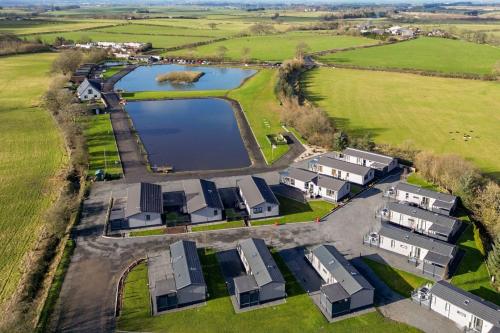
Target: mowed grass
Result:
[[425, 53], [277, 47], [433, 113], [219, 226], [298, 314], [32, 153], [45, 26]]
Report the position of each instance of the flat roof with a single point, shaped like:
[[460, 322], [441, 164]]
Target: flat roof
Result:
[[245, 283], [261, 262], [334, 292]]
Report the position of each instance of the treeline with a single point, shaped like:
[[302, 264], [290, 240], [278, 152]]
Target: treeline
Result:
[[68, 61], [11, 44]]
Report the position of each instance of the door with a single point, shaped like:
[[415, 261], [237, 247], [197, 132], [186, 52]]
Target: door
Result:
[[417, 252], [477, 324]]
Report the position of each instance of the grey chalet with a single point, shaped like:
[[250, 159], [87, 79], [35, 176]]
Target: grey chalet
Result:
[[144, 205], [438, 202], [379, 162], [203, 202], [259, 199]]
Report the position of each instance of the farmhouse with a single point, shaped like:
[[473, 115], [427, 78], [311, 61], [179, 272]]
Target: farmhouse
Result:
[[431, 200], [258, 197], [89, 90], [345, 289], [336, 168], [379, 162], [263, 282], [433, 257], [422, 221], [144, 205], [176, 278], [203, 202]]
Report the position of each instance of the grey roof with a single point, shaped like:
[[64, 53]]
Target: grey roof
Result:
[[144, 198], [87, 84], [343, 165], [341, 269], [447, 205], [261, 262], [379, 158], [443, 197], [469, 302], [330, 182], [334, 292], [186, 265], [245, 283], [437, 258], [200, 194], [160, 274], [301, 174], [256, 191], [441, 223]]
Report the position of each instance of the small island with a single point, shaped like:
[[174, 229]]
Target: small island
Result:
[[180, 77]]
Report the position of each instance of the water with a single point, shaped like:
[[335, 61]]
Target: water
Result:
[[189, 134], [143, 78]]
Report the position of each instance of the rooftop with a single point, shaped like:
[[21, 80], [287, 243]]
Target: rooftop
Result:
[[334, 292], [144, 198], [256, 191], [261, 262], [200, 194], [379, 158], [443, 197], [186, 264], [330, 182], [343, 165]]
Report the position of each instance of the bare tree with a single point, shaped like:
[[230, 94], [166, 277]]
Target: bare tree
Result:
[[67, 61], [212, 25], [245, 53], [221, 51], [301, 49]]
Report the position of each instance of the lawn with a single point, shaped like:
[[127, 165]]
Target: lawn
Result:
[[41, 26], [416, 179], [31, 156], [298, 314], [112, 71], [400, 281], [276, 47], [103, 152], [150, 232], [433, 113], [219, 226], [428, 54]]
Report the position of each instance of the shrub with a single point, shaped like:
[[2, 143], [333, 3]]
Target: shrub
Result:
[[180, 77]]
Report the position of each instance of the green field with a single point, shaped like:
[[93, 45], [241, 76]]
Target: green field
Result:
[[219, 226], [276, 47], [32, 154], [427, 54], [298, 314], [46, 26], [433, 113]]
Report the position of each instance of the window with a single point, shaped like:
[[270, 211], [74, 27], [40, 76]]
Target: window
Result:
[[447, 306], [269, 208], [89, 91], [461, 313], [330, 193], [216, 212], [347, 175], [393, 243], [257, 210], [407, 196], [292, 181], [340, 174], [148, 217], [320, 168]]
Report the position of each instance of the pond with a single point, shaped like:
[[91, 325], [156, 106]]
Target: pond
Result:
[[189, 134], [143, 78]]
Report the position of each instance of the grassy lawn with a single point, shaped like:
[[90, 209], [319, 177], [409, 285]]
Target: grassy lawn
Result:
[[293, 211], [225, 225], [434, 114], [148, 95], [430, 54], [150, 232], [416, 179], [112, 71], [31, 156], [103, 152], [39, 26], [298, 314]]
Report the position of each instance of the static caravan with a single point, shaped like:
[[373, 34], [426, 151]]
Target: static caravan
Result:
[[331, 189], [144, 205], [381, 163], [303, 180], [203, 202], [259, 199], [437, 202], [343, 170]]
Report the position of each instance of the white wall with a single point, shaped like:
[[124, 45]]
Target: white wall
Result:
[[414, 198], [400, 247], [320, 269], [206, 215], [140, 220], [349, 176], [298, 184], [87, 96], [410, 222], [274, 210]]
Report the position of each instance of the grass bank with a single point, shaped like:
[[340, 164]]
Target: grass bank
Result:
[[152, 95]]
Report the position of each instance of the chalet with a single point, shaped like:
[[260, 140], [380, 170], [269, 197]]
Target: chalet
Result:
[[89, 90], [343, 170], [82, 73], [435, 225], [379, 162], [176, 278], [203, 202], [144, 205], [258, 197], [263, 282], [438, 202], [344, 288]]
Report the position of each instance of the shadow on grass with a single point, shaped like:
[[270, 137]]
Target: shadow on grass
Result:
[[487, 294], [290, 206], [212, 273]]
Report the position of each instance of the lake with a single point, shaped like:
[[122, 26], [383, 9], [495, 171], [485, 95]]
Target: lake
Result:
[[189, 134], [143, 78]]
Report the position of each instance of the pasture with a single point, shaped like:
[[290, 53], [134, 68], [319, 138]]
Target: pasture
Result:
[[46, 26], [433, 113], [32, 154], [425, 54]]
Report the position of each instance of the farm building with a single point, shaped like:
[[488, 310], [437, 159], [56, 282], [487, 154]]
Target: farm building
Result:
[[176, 278], [435, 225], [470, 312], [345, 289], [144, 205], [379, 162], [263, 282], [336, 168], [315, 185], [433, 257], [438, 202], [89, 90], [258, 197], [203, 202]]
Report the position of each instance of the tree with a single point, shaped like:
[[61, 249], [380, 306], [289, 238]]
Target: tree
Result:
[[212, 25], [221, 51], [245, 53], [365, 142], [494, 262], [275, 16], [301, 49], [96, 55], [67, 61], [488, 207], [261, 29], [340, 140]]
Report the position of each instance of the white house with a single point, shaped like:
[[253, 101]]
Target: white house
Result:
[[438, 202], [336, 168], [330, 188], [144, 205], [203, 202], [88, 90], [259, 199], [422, 221], [372, 160]]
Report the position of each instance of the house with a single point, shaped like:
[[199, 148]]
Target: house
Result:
[[203, 202], [88, 90], [344, 288], [263, 282], [438, 202], [433, 257], [258, 197], [144, 205], [82, 73], [176, 278], [435, 225], [330, 166], [379, 162], [315, 185]]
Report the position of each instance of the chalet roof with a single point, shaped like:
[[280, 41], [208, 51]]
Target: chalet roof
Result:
[[343, 165], [144, 198], [442, 197], [367, 155], [186, 265], [261, 262], [256, 191], [200, 194]]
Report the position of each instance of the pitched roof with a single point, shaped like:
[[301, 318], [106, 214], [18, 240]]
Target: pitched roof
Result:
[[144, 198], [261, 262], [444, 197], [343, 165], [330, 182], [256, 191], [301, 174], [469, 302], [367, 155], [186, 265], [88, 84], [160, 274], [200, 194], [341, 269]]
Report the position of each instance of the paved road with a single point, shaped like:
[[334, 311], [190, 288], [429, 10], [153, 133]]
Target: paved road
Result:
[[87, 297]]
